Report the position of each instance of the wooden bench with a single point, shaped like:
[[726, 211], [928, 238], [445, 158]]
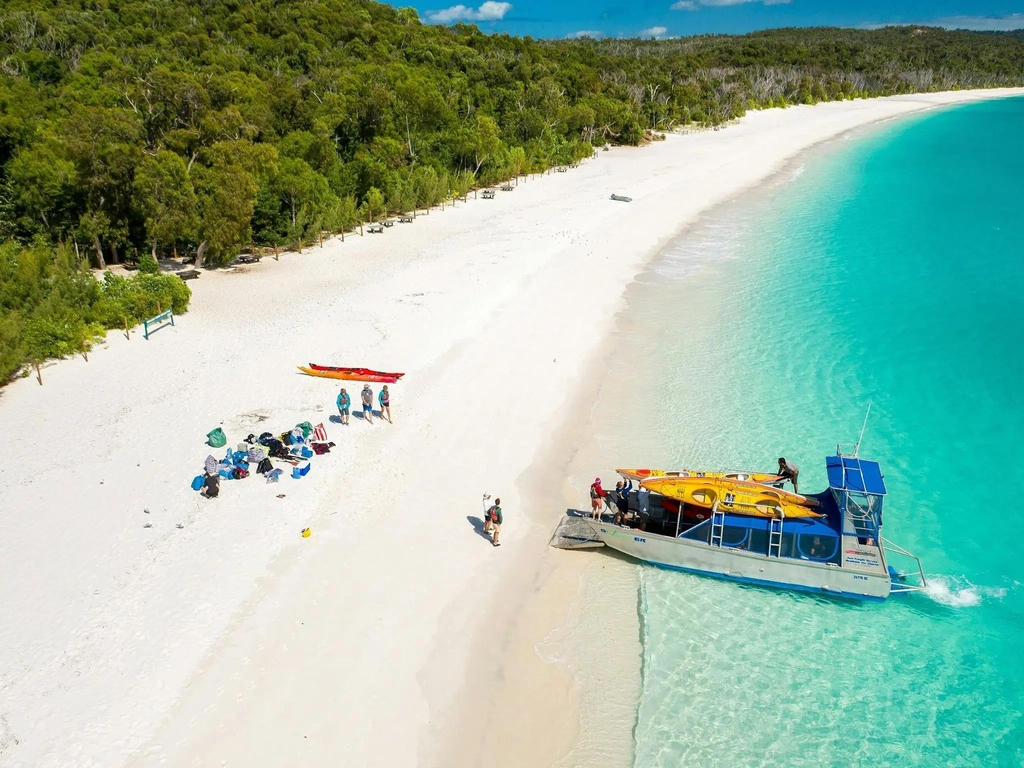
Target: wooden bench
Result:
[[156, 323], [562, 169], [488, 194], [507, 188], [375, 229], [406, 219]]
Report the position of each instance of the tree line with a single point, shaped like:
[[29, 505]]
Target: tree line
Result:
[[130, 128]]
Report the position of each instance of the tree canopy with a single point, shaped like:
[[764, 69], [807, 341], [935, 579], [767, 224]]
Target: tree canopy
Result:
[[127, 126]]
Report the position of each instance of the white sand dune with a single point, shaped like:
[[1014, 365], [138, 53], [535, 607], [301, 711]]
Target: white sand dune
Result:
[[230, 640]]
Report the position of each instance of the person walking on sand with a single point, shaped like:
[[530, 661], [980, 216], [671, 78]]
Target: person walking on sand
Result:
[[344, 406], [789, 471], [596, 494], [384, 398], [367, 396], [492, 522]]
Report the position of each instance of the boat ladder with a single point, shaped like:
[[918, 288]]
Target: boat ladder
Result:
[[717, 525], [775, 537]]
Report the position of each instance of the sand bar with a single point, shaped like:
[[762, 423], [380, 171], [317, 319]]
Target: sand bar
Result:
[[143, 625]]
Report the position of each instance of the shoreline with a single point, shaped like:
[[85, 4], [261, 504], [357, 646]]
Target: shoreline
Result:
[[353, 643]]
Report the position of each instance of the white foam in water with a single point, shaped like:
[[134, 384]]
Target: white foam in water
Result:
[[953, 593]]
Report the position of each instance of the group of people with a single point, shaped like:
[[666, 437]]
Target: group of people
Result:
[[366, 397]]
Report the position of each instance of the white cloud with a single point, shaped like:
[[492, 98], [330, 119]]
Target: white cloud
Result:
[[653, 32], [595, 34], [488, 11], [693, 5], [975, 23]]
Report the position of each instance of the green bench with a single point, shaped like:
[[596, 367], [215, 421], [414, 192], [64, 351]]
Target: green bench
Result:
[[156, 323]]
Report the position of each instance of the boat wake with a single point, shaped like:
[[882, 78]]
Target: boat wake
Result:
[[960, 593]]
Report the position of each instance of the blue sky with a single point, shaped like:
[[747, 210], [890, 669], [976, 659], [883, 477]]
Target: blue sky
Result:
[[661, 18]]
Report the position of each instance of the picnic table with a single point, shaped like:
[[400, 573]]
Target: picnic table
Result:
[[388, 223], [374, 229], [488, 194], [507, 188], [188, 274], [406, 219]]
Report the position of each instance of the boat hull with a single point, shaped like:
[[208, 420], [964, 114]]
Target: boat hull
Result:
[[738, 565]]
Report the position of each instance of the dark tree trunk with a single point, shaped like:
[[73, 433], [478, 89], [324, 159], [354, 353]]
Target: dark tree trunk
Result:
[[100, 263]]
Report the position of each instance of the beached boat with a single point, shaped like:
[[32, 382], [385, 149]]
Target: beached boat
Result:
[[347, 376], [841, 553], [366, 371], [754, 477]]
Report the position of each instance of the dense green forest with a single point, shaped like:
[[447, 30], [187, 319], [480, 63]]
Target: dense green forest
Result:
[[201, 127]]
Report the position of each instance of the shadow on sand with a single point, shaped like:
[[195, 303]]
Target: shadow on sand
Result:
[[478, 526]]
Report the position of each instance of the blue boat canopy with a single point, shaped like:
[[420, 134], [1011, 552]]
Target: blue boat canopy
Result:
[[850, 473]]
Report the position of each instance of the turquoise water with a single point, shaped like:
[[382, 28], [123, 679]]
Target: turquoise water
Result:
[[885, 268]]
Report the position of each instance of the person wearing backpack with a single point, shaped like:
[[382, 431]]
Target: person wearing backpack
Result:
[[492, 523], [344, 406], [384, 398], [596, 494]]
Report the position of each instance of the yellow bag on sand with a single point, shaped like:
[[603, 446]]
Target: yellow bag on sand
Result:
[[305, 533]]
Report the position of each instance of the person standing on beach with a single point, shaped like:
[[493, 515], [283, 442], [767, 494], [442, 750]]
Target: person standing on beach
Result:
[[367, 397], [384, 398], [789, 471], [344, 406], [492, 522]]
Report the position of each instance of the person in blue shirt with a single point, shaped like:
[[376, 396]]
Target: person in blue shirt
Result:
[[384, 398], [344, 405]]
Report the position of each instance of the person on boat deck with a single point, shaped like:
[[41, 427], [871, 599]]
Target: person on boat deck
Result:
[[344, 405], [621, 494], [817, 549], [643, 505], [384, 398], [367, 397], [789, 471], [596, 494], [492, 523]]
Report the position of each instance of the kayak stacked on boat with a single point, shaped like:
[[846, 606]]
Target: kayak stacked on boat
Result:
[[350, 374], [727, 525]]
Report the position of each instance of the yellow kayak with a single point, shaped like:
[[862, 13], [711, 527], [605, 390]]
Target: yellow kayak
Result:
[[647, 474], [736, 496]]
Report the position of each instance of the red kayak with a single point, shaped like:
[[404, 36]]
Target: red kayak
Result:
[[357, 371]]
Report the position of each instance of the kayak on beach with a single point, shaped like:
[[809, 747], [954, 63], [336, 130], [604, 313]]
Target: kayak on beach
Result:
[[365, 371], [350, 375]]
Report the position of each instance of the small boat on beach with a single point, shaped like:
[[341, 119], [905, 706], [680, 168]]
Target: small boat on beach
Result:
[[349, 375], [766, 478], [364, 371], [837, 550]]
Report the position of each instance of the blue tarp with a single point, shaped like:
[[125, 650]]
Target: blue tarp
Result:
[[849, 473]]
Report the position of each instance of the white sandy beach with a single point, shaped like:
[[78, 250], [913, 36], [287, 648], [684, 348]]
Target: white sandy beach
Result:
[[219, 636]]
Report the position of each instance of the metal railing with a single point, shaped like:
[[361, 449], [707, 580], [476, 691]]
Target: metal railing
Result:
[[902, 586]]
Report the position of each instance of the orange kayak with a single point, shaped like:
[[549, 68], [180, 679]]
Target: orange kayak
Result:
[[349, 376]]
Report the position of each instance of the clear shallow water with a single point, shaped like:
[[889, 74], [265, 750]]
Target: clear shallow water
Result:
[[886, 268]]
